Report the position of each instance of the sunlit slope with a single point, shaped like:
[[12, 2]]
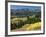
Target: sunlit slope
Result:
[[34, 26], [29, 27]]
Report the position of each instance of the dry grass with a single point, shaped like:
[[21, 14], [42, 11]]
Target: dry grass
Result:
[[29, 27]]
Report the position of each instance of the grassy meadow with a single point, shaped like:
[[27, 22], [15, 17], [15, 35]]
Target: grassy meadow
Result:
[[26, 23]]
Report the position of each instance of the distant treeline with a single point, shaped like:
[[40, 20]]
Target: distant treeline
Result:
[[25, 12]]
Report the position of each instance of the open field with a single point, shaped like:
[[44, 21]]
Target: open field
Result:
[[25, 23], [29, 27]]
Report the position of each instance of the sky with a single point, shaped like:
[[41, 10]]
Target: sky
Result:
[[25, 7]]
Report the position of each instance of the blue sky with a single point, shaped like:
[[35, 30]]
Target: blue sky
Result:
[[24, 7]]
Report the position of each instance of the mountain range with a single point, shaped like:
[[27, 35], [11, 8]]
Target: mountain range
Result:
[[24, 12]]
